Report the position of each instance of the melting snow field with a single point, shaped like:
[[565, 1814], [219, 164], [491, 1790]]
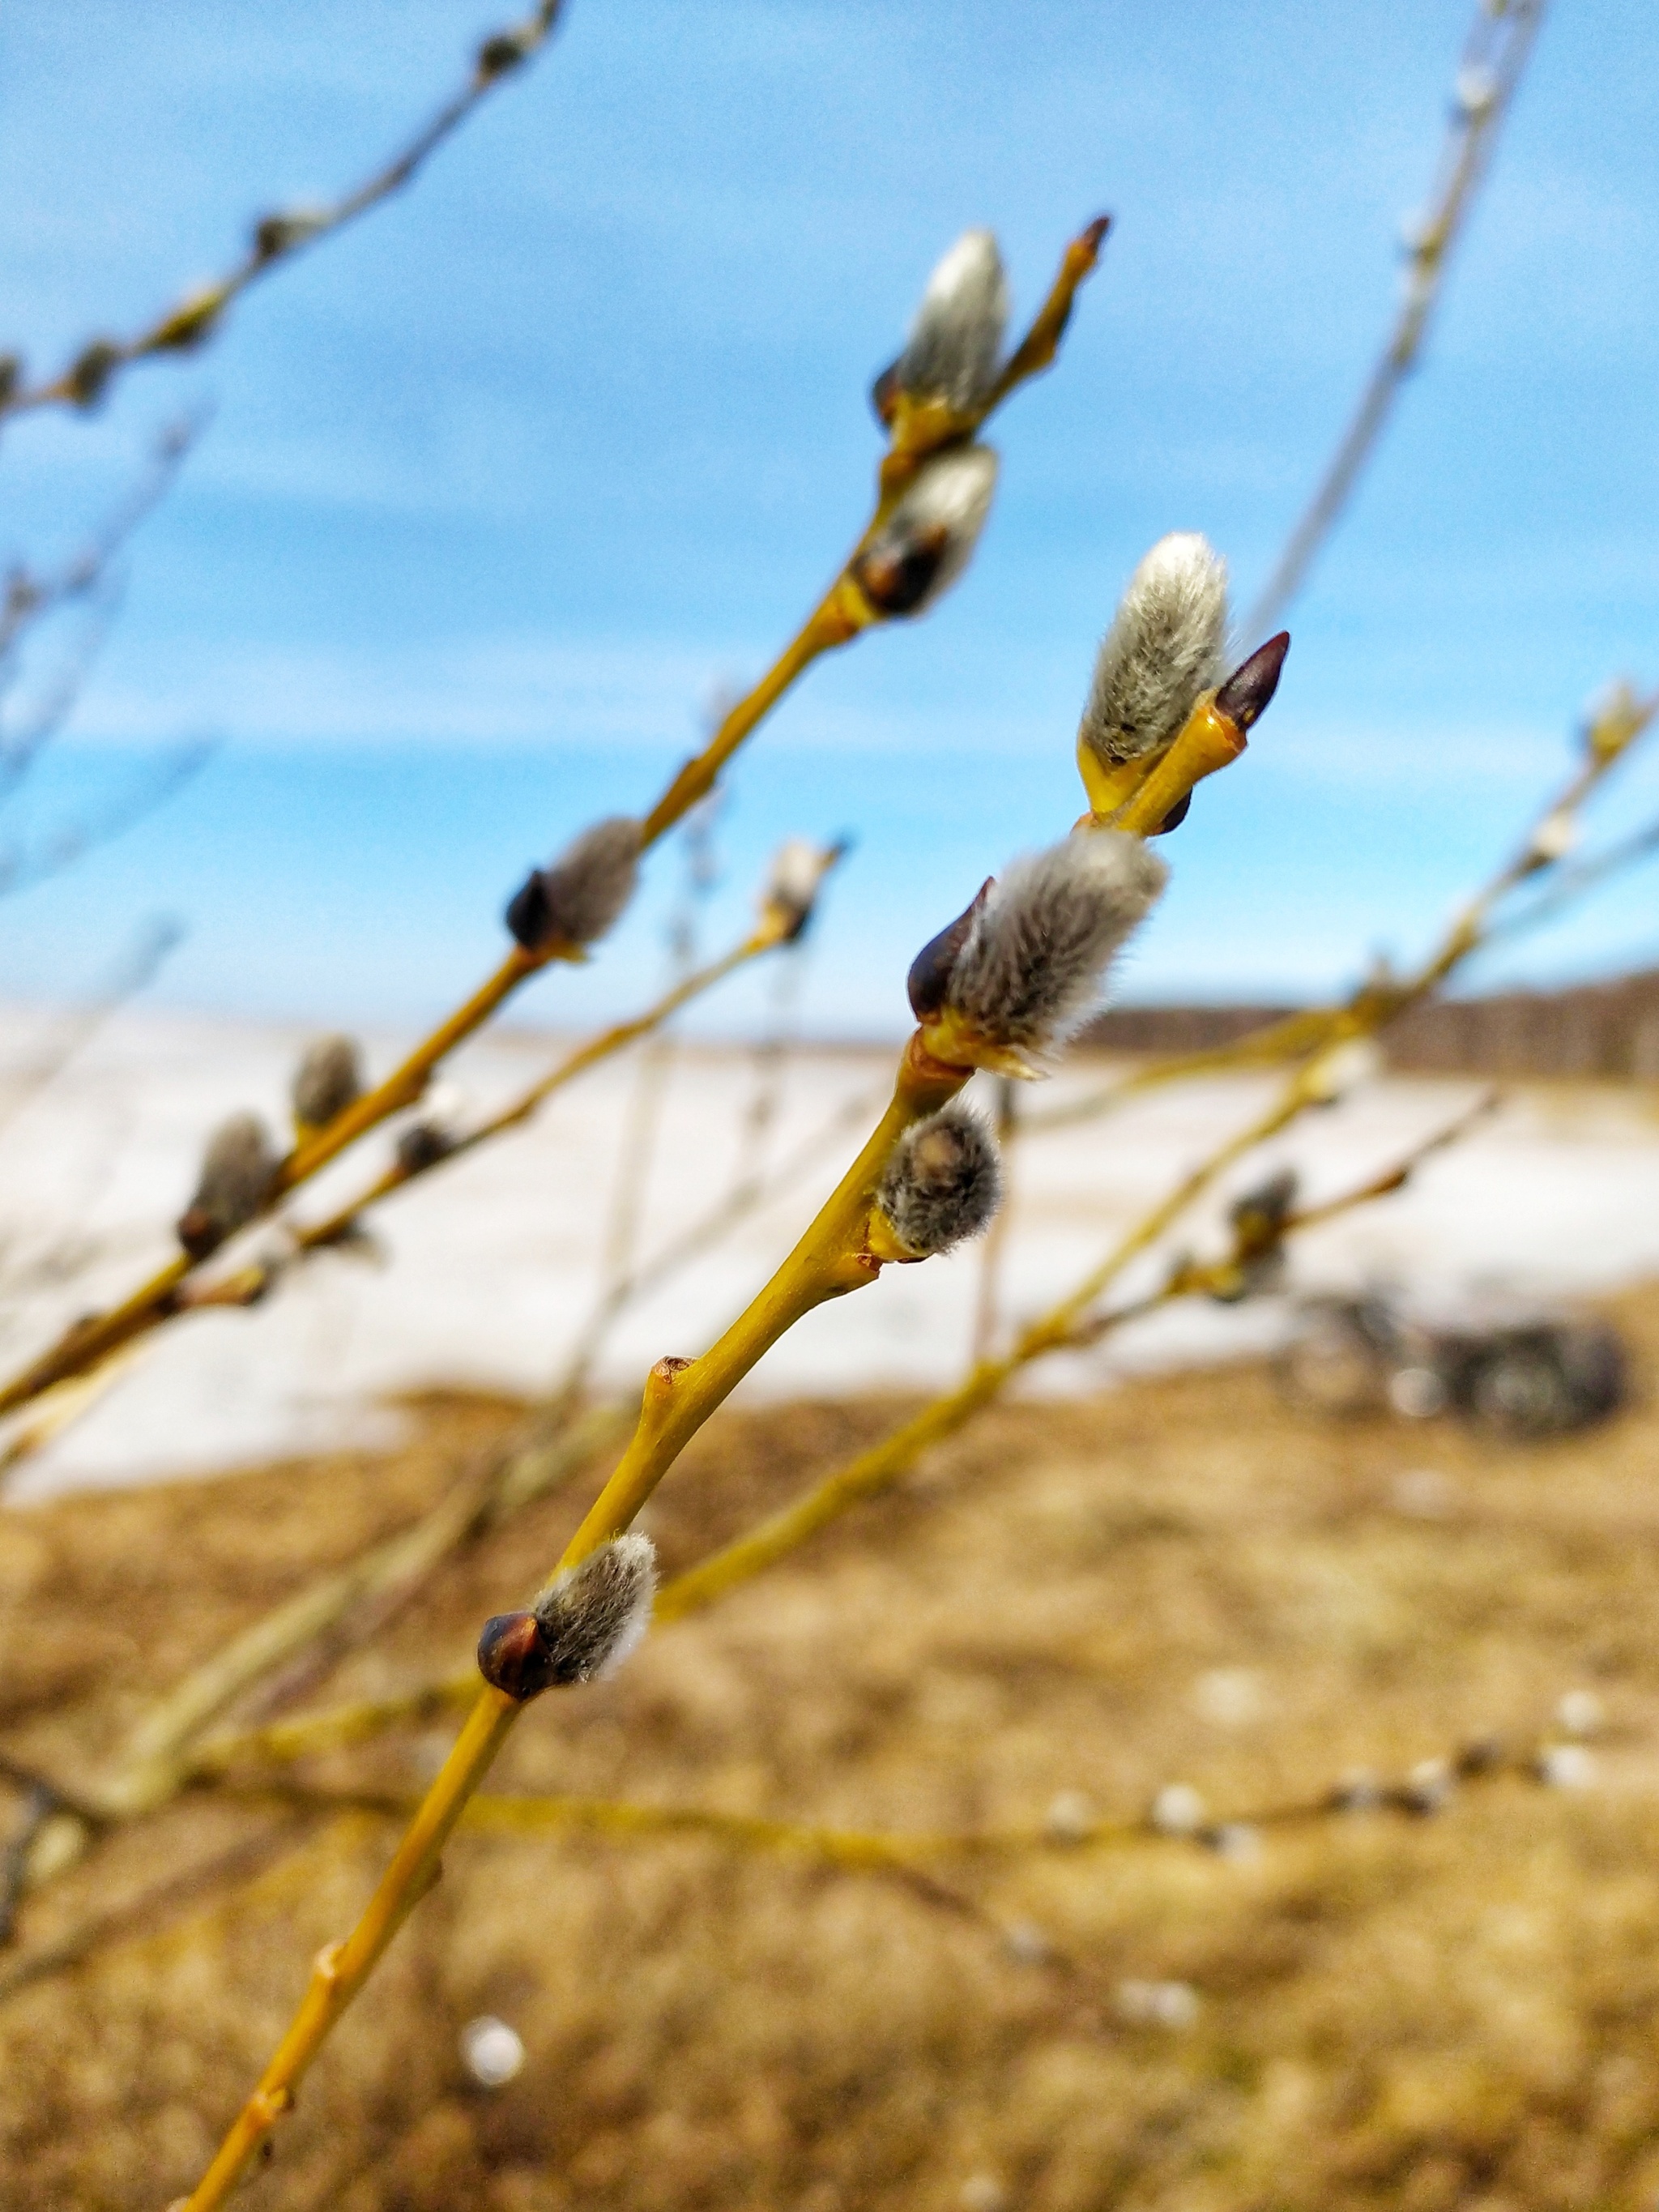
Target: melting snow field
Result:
[[486, 1271]]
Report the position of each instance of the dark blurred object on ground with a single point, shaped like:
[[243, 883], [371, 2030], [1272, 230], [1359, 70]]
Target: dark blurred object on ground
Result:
[[1522, 1373]]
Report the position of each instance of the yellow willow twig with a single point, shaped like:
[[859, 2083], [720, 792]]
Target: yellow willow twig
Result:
[[843, 614], [1615, 729], [859, 1850], [834, 1256], [679, 1396], [277, 239], [312, 1734], [161, 1757], [1057, 1330], [151, 1769], [155, 1763], [772, 931]]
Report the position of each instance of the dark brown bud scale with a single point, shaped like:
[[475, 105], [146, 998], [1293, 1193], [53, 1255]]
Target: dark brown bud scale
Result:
[[422, 1145], [527, 915], [90, 372], [512, 1656], [1176, 815], [1244, 696], [199, 1235], [897, 578], [578, 896], [884, 394], [500, 54], [929, 981]]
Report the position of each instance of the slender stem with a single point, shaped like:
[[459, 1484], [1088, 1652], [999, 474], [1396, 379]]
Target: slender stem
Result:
[[609, 1041], [1473, 135], [194, 319], [825, 627], [309, 1734], [1057, 1330], [1374, 1004], [830, 1259]]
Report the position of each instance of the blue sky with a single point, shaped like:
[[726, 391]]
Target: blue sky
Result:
[[503, 484]]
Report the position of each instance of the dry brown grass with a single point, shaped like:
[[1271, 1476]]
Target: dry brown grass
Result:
[[1454, 2011]]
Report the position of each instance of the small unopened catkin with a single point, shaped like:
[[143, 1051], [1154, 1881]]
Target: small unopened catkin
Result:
[[1039, 944], [799, 868], [577, 898], [238, 1169], [1163, 648], [584, 1624], [328, 1079], [956, 341], [943, 1183], [929, 537]]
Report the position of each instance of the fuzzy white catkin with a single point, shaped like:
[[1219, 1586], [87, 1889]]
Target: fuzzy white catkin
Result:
[[237, 1167], [1165, 646], [937, 523], [1038, 948], [594, 1614], [943, 1183], [956, 341], [798, 868], [328, 1079], [586, 888]]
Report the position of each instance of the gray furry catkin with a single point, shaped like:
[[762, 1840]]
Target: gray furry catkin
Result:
[[929, 537], [328, 1079], [1038, 947], [942, 1181], [593, 879], [238, 1169], [591, 1617], [956, 341], [1163, 648], [576, 898]]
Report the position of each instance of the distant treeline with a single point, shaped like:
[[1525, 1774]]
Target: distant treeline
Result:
[[1609, 1030]]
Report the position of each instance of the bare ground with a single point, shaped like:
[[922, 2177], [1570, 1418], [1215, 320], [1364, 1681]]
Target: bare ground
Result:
[[1183, 1581]]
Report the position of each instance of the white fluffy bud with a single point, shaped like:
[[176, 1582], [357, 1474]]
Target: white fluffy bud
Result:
[[1037, 948], [1165, 646], [956, 341], [799, 868], [942, 1183], [328, 1079], [594, 1615], [929, 537], [576, 899], [238, 1169]]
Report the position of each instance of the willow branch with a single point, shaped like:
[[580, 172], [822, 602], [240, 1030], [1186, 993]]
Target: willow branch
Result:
[[1494, 55], [25, 864], [844, 613], [28, 598], [858, 1850], [276, 239], [1377, 1002]]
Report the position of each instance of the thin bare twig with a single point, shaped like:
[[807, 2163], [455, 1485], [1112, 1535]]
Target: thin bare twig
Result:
[[27, 863], [29, 598], [277, 239], [152, 942], [1494, 55]]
